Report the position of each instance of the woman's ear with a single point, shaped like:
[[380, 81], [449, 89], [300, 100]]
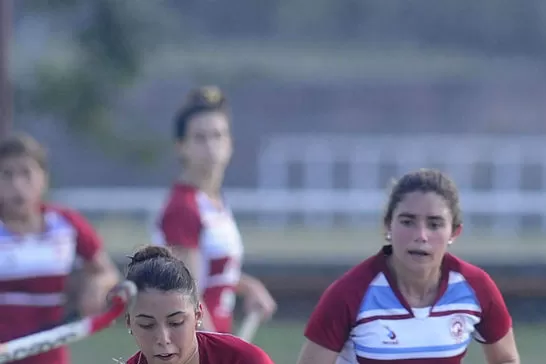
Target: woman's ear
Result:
[[199, 317], [455, 234]]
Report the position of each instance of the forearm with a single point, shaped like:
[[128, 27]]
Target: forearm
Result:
[[93, 292], [98, 283], [246, 282]]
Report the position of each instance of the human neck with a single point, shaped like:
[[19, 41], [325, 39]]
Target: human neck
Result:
[[419, 289], [194, 356], [209, 183], [193, 359], [32, 223]]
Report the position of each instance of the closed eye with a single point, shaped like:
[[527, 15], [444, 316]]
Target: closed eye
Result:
[[146, 326]]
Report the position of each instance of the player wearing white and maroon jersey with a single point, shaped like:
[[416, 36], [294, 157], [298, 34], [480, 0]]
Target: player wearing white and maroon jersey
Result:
[[198, 224], [39, 245], [167, 313], [413, 302], [365, 318], [192, 221]]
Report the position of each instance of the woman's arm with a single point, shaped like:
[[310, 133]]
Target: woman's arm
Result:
[[99, 276], [312, 353], [256, 295], [503, 351]]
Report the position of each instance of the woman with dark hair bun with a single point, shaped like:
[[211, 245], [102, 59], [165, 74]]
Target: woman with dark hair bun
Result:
[[167, 314], [197, 221]]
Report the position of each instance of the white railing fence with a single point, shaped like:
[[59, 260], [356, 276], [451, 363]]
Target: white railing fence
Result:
[[500, 178]]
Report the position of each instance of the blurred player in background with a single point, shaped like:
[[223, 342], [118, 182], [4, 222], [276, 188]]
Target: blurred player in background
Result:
[[39, 244], [167, 313], [413, 302], [196, 221]]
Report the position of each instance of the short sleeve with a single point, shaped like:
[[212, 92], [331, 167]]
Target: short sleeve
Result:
[[496, 320], [88, 242], [331, 321], [181, 226]]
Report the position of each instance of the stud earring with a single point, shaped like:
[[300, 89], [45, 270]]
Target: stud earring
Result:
[[388, 236], [130, 332]]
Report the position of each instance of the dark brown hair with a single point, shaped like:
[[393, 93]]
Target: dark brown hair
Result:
[[156, 267], [19, 145], [202, 99], [425, 180]]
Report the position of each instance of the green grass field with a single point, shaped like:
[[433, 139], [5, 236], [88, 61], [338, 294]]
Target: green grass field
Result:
[[282, 340]]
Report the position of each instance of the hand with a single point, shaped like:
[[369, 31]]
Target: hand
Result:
[[92, 301], [258, 298]]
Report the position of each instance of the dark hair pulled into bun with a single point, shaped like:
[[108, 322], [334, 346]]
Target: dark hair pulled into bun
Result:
[[156, 267], [202, 99], [150, 252]]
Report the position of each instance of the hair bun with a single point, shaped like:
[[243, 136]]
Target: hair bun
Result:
[[150, 252], [207, 96]]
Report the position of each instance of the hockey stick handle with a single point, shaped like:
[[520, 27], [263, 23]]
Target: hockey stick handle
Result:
[[44, 341], [250, 326]]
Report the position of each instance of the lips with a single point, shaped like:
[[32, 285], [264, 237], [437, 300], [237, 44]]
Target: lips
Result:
[[418, 253], [165, 357]]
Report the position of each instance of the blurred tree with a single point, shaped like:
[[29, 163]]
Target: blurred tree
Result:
[[110, 38]]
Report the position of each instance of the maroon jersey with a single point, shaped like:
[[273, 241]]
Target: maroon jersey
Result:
[[33, 273], [216, 348], [191, 220]]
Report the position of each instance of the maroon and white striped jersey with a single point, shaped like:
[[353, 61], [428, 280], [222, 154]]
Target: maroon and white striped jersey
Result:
[[192, 220], [33, 274]]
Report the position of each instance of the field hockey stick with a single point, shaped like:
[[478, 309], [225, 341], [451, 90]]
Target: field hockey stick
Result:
[[121, 298], [250, 325]]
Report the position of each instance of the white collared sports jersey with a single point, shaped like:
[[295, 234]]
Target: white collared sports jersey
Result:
[[33, 273], [193, 221], [365, 318]]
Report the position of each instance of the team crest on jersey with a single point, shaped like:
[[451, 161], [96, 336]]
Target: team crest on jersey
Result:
[[457, 325]]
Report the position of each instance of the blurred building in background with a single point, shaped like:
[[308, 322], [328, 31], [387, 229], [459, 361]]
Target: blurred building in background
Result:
[[330, 100]]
